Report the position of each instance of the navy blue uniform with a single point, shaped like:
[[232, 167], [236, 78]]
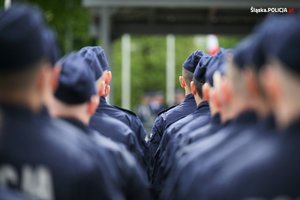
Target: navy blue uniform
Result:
[[171, 136], [127, 117], [126, 175], [49, 159], [167, 118], [270, 170], [202, 132], [118, 132], [194, 159], [6, 194]]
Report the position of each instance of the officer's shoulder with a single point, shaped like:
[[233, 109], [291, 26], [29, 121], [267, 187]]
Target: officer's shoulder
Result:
[[166, 110], [6, 193], [125, 110]]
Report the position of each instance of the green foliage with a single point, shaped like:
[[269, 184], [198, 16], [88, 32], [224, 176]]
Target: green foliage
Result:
[[1, 4], [147, 66], [70, 20]]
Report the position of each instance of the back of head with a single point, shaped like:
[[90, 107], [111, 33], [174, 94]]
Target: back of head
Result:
[[22, 47], [199, 74], [190, 65], [52, 51], [21, 38], [216, 63], [287, 46], [92, 60], [76, 83], [100, 55], [263, 39]]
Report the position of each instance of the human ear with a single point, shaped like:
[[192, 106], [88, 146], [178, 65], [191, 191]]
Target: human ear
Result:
[[182, 82], [106, 90], [108, 77], [206, 91], [101, 88], [193, 88]]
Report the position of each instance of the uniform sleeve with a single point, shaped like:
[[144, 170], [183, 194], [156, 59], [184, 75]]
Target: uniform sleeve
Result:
[[95, 181], [154, 141], [137, 126], [136, 150], [136, 184]]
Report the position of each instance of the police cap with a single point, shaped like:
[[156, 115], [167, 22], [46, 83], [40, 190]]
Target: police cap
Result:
[[201, 68], [215, 64], [21, 37], [287, 45], [76, 81], [191, 62], [99, 51], [91, 59]]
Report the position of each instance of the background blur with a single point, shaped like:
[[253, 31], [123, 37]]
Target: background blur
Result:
[[75, 28]]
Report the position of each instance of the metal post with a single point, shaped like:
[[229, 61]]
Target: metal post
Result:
[[170, 69], [126, 71], [7, 4], [105, 33]]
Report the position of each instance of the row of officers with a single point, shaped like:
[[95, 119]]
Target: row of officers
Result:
[[234, 137]]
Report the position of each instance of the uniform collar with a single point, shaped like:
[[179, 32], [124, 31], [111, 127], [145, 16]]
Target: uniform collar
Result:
[[246, 117], [189, 97], [103, 100], [18, 110], [77, 123], [202, 105], [216, 118]]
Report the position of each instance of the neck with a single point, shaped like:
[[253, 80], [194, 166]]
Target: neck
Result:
[[198, 99], [59, 109], [187, 91]]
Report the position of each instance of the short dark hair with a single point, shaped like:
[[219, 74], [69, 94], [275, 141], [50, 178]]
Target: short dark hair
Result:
[[199, 86], [188, 76]]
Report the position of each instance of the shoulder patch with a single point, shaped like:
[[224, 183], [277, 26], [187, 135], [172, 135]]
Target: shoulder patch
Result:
[[125, 110], [161, 112]]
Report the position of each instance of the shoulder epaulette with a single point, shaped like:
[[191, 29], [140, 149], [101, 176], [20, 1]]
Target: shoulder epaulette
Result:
[[165, 110], [125, 110]]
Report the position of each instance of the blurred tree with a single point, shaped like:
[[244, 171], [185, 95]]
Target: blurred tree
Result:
[[70, 20]]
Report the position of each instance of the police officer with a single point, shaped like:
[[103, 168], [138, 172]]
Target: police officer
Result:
[[172, 134], [242, 131], [273, 172], [213, 77], [171, 115], [210, 90], [104, 108], [106, 125], [39, 156], [75, 102], [126, 116]]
